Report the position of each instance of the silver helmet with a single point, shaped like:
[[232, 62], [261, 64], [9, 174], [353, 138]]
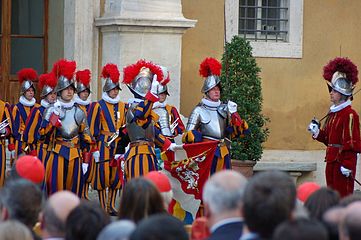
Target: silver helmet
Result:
[[210, 82], [162, 89], [142, 82], [26, 85], [81, 87], [109, 85], [63, 83], [45, 91], [340, 84]]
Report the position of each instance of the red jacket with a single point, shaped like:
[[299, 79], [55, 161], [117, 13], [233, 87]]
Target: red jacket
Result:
[[341, 135]]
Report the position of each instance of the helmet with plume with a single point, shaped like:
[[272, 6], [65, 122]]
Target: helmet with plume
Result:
[[26, 77], [164, 88], [139, 76], [82, 80], [341, 75], [210, 69], [110, 74], [47, 83], [64, 72]]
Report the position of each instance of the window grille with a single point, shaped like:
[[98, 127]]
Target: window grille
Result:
[[264, 20]]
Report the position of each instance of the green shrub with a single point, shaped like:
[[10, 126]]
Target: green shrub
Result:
[[241, 84]]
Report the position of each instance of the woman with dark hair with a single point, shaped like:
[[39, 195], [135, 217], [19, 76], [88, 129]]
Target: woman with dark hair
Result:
[[320, 201], [139, 200]]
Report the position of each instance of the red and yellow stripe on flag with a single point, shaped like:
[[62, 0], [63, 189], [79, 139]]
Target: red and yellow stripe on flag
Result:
[[189, 175]]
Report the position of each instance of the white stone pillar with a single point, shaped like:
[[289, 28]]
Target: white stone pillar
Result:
[[148, 29], [81, 36]]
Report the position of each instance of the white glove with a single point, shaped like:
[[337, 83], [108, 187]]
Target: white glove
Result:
[[173, 147], [118, 156], [96, 156], [314, 129], [3, 131], [346, 172], [12, 154], [232, 106], [84, 166], [155, 84]]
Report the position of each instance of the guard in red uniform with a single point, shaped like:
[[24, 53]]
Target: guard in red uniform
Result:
[[341, 131]]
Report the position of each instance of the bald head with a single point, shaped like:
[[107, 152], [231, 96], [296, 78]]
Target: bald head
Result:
[[224, 191], [56, 210], [63, 203]]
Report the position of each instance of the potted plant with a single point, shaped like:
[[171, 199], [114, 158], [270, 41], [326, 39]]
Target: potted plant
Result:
[[241, 84]]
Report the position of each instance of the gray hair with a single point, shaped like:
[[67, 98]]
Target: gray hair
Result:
[[119, 230], [224, 191]]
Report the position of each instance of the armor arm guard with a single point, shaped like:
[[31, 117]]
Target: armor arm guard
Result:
[[84, 130], [194, 119], [46, 127], [6, 115]]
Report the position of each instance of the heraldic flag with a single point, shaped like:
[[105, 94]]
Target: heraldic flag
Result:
[[188, 176]]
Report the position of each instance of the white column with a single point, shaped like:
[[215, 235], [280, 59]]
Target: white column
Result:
[[81, 36], [148, 29]]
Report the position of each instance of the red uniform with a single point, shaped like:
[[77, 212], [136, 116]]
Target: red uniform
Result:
[[341, 135]]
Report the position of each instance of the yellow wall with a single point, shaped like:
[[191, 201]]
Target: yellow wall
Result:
[[293, 89]]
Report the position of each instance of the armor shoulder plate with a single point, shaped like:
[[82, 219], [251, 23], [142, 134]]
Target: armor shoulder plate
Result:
[[79, 116], [223, 110]]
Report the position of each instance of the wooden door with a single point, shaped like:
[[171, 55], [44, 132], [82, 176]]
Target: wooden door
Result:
[[24, 42]]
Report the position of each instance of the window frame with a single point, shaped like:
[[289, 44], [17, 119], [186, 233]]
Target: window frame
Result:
[[290, 49]]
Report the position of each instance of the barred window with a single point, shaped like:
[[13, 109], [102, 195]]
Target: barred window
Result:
[[264, 20]]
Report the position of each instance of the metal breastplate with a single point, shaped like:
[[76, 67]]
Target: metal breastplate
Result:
[[211, 121], [163, 121], [136, 132], [70, 122]]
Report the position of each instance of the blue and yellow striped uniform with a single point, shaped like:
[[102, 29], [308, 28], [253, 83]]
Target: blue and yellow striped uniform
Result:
[[4, 114]]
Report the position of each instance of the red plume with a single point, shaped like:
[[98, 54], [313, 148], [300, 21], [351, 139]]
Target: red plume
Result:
[[210, 66], [27, 74], [83, 77], [111, 71], [343, 65], [64, 68], [131, 71], [47, 79]]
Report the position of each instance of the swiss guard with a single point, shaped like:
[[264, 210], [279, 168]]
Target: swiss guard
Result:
[[91, 109], [110, 122], [67, 125], [5, 131], [212, 120], [143, 79], [341, 130], [21, 111], [39, 146]]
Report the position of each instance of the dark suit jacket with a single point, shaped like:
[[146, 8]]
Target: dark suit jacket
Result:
[[229, 231]]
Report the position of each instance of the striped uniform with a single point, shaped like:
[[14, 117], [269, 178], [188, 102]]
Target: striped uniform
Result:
[[4, 114], [63, 168], [110, 119], [92, 111], [19, 114], [140, 157], [31, 134]]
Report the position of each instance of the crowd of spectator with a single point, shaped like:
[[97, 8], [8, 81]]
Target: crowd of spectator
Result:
[[266, 206]]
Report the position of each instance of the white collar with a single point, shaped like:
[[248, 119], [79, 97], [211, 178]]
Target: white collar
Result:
[[79, 101], [211, 103], [26, 102], [224, 222], [134, 100], [159, 104], [337, 108], [44, 103], [108, 99], [66, 104]]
